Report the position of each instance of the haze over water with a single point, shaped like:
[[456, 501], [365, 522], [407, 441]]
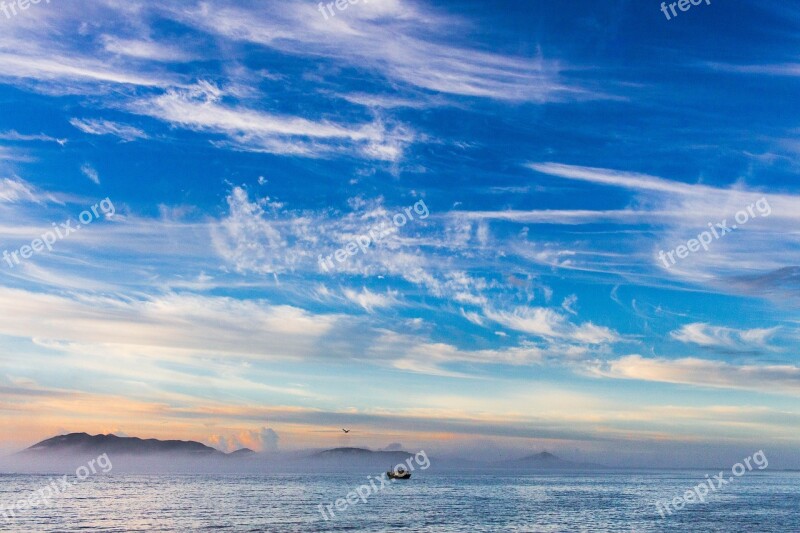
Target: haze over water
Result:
[[431, 502]]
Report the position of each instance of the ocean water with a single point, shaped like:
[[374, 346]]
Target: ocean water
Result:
[[431, 502]]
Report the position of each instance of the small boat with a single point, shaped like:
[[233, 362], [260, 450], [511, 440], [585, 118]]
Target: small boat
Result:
[[399, 473]]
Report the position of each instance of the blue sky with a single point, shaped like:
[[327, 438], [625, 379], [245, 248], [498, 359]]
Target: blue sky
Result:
[[552, 150]]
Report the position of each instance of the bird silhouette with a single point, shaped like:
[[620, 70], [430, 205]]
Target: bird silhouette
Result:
[[346, 430]]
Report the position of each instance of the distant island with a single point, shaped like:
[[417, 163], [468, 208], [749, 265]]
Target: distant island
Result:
[[190, 455], [83, 443], [547, 461], [336, 458], [358, 453]]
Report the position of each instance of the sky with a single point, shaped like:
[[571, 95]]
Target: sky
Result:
[[481, 229]]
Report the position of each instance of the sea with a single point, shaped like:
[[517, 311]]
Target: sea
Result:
[[607, 501]]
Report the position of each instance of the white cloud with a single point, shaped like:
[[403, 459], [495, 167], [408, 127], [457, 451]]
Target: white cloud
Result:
[[90, 172], [473, 317], [568, 304], [703, 373], [107, 127], [779, 69], [9, 154], [668, 213], [371, 300], [60, 68], [391, 102], [183, 323], [266, 237], [632, 180], [402, 41], [247, 239], [145, 49], [707, 335], [549, 324], [199, 108], [423, 356], [677, 202], [15, 190], [262, 440], [16, 136]]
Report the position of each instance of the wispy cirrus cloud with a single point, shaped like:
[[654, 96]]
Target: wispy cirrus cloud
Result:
[[173, 321], [145, 49], [617, 178], [13, 135], [422, 356], [74, 69], [200, 108], [550, 324], [370, 300], [107, 127], [775, 69], [416, 54], [674, 212], [14, 190], [248, 239], [90, 172], [9, 154], [783, 379], [710, 336]]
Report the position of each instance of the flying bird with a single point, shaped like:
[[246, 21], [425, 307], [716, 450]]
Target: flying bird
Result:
[[346, 430]]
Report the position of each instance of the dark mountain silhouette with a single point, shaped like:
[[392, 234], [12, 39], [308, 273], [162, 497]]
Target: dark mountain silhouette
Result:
[[540, 458], [83, 443], [361, 453], [358, 458], [242, 452], [545, 461]]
